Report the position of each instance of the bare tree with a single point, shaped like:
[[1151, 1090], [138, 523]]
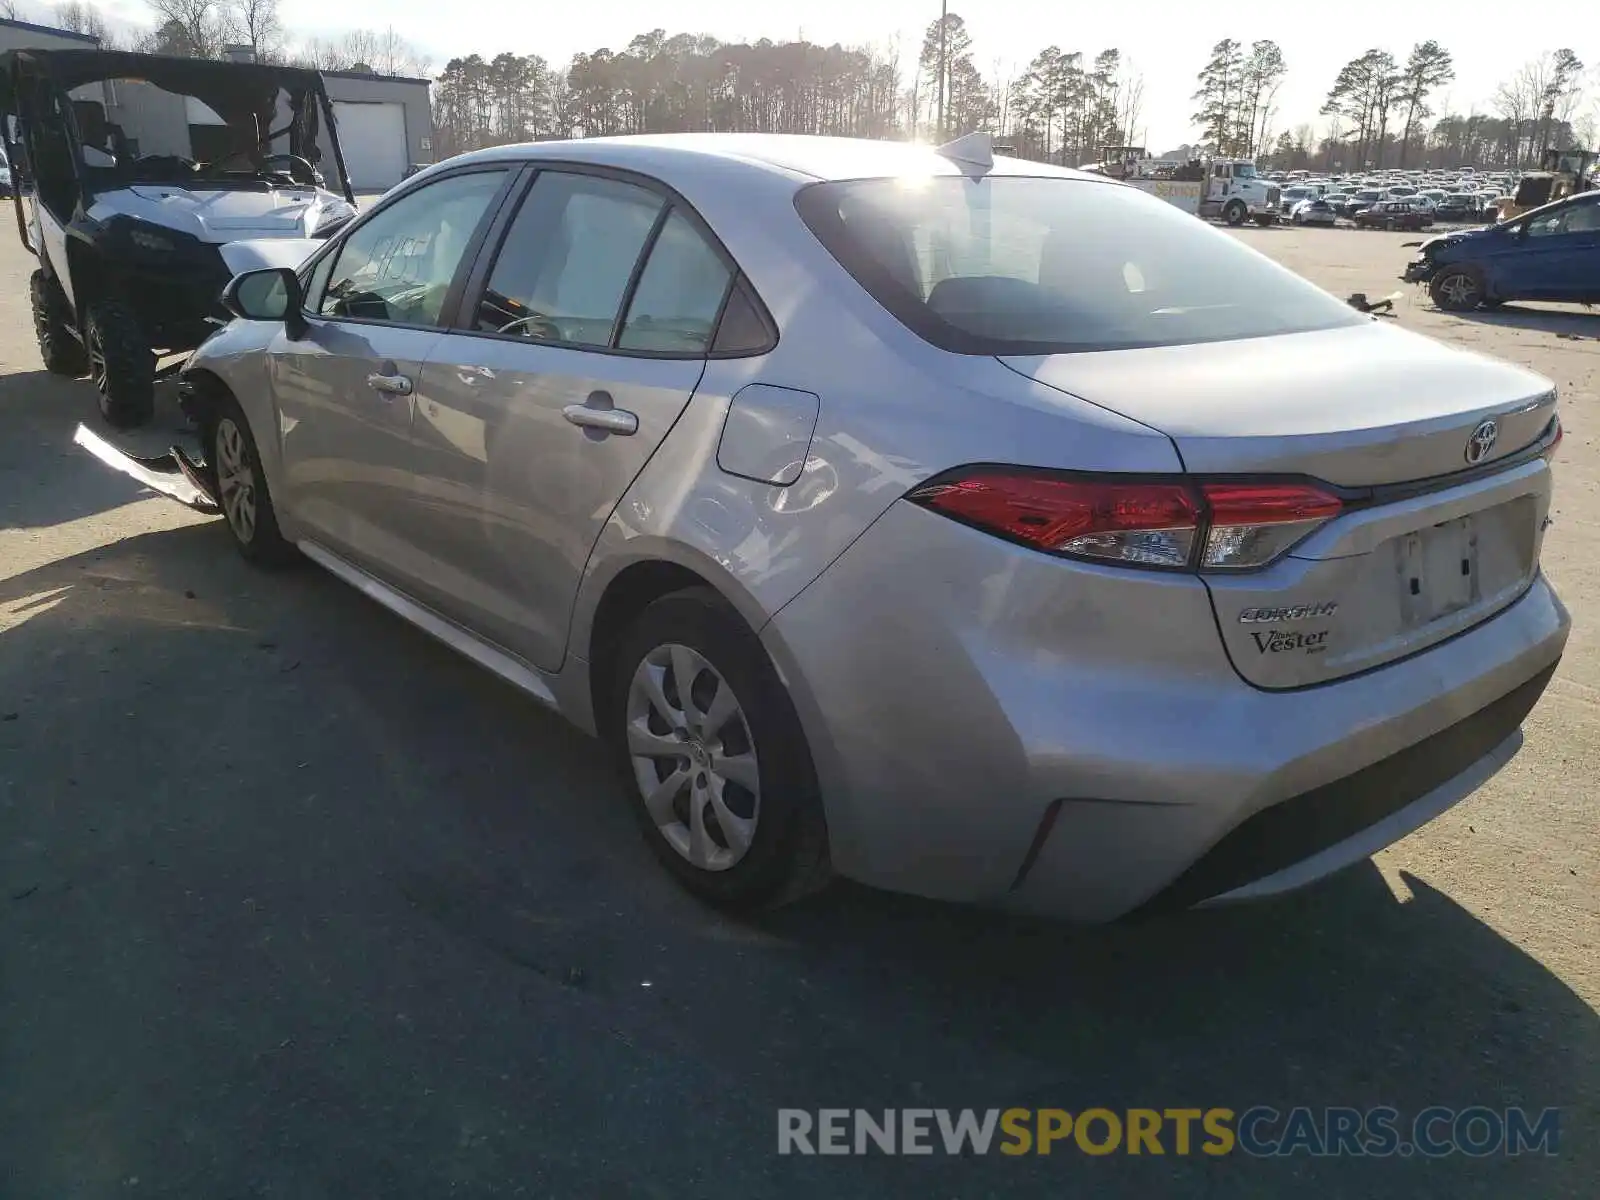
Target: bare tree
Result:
[[393, 55], [255, 23], [1130, 98], [82, 17], [8, 10], [194, 27], [1517, 102], [385, 53]]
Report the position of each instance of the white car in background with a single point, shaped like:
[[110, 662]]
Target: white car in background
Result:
[[1316, 211]]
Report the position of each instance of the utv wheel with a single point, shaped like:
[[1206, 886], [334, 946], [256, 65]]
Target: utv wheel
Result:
[[242, 488], [1456, 290], [707, 738], [121, 364], [1234, 213], [62, 353]]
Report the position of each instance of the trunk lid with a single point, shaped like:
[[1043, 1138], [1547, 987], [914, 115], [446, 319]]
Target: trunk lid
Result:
[[1363, 405], [1369, 409]]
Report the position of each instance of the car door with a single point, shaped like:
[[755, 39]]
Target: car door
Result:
[[589, 330], [1576, 269], [1536, 262], [346, 390]]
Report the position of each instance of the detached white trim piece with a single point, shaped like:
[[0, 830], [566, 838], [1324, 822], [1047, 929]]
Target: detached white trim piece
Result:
[[173, 484], [515, 672]]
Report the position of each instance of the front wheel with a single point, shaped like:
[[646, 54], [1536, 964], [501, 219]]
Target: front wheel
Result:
[[1235, 213], [713, 752], [242, 488], [1456, 290], [121, 363]]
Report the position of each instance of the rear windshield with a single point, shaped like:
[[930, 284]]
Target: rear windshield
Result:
[[1029, 265]]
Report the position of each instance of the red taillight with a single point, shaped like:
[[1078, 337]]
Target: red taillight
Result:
[[1149, 523], [1135, 522]]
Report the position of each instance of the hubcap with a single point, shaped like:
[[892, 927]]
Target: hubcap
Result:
[[693, 757], [236, 481]]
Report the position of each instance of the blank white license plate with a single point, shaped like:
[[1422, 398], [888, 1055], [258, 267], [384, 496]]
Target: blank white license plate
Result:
[[1438, 570]]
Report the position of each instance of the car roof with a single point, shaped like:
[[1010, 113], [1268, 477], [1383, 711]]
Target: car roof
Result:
[[801, 157]]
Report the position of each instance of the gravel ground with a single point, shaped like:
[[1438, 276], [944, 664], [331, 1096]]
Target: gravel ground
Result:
[[295, 903]]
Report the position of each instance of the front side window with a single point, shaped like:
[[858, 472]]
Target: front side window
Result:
[[1575, 218], [567, 260], [1034, 265], [398, 266]]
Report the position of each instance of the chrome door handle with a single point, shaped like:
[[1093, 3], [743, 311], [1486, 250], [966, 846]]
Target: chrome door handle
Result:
[[597, 413], [394, 385]]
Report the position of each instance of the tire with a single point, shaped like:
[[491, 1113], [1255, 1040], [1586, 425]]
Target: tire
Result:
[[782, 854], [1456, 289], [242, 490], [1234, 212], [121, 363], [1266, 222], [62, 353]]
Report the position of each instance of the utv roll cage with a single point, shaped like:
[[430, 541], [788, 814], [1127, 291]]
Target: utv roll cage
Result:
[[45, 130]]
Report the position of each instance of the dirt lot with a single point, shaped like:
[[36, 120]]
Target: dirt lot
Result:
[[295, 903]]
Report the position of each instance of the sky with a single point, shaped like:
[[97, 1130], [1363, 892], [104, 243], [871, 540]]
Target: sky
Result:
[[1167, 40]]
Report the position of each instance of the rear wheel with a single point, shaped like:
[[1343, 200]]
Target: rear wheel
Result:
[[714, 755], [63, 354], [121, 363], [1456, 289]]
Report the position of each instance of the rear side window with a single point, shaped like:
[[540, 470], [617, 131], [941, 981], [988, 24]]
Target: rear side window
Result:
[[1035, 265], [680, 292]]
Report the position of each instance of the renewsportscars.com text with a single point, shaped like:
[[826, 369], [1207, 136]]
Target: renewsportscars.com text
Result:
[[1260, 1132]]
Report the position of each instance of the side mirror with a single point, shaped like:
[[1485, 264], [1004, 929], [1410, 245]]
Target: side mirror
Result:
[[272, 294]]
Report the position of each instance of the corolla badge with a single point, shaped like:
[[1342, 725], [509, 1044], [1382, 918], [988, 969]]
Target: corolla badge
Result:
[[1482, 442]]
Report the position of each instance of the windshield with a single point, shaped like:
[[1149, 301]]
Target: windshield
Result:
[[135, 131], [1030, 265], [1244, 170]]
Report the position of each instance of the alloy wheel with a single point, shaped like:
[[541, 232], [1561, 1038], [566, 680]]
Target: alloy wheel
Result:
[[693, 757], [1459, 288], [97, 358], [236, 480]]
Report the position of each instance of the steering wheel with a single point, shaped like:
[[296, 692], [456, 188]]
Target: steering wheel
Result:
[[300, 170], [534, 325]]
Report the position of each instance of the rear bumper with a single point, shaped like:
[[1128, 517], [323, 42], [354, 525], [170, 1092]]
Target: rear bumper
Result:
[[991, 725]]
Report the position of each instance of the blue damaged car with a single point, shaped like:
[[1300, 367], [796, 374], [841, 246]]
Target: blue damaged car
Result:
[[1551, 253]]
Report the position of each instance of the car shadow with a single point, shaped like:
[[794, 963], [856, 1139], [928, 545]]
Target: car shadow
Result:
[[295, 901], [45, 480], [1563, 322]]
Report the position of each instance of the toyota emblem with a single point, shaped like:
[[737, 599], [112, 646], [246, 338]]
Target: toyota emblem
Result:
[[1482, 442]]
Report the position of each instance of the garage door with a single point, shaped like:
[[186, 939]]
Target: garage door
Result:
[[373, 138]]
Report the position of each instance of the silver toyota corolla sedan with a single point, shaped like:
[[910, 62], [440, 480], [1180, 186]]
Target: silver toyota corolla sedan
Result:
[[962, 525]]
